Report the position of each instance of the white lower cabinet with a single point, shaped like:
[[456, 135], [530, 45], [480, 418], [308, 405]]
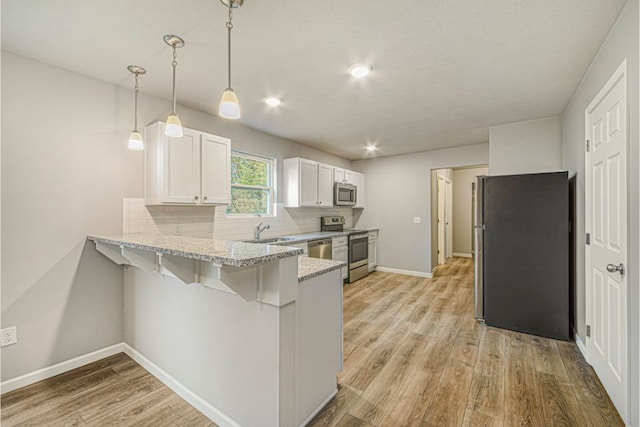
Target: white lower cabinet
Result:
[[194, 169], [373, 250], [340, 252], [304, 246]]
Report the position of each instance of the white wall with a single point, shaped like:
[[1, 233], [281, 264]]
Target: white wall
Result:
[[65, 171], [399, 188], [462, 207], [621, 43], [526, 147]]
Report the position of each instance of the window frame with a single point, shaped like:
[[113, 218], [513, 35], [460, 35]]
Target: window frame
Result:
[[271, 187]]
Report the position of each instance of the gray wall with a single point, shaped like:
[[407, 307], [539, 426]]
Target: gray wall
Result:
[[399, 188], [621, 43], [65, 169], [64, 173], [462, 207], [526, 147]]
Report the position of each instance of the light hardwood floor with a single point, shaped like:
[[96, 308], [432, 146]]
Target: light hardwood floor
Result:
[[414, 356], [115, 391]]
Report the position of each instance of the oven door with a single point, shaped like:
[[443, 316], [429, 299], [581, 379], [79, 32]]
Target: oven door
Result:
[[358, 250]]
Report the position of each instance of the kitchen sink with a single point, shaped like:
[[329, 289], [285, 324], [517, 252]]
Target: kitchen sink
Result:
[[272, 240]]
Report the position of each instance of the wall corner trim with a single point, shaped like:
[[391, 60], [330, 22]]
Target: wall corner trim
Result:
[[407, 272], [211, 412], [59, 368], [580, 344]]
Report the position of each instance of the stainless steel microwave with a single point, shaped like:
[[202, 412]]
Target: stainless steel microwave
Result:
[[344, 194]]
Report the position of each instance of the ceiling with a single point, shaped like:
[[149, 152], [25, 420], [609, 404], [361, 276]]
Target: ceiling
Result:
[[443, 70]]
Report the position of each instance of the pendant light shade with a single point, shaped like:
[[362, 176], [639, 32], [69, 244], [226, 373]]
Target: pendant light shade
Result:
[[135, 139], [173, 126], [229, 105]]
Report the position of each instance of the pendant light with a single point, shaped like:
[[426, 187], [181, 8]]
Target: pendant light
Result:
[[135, 140], [229, 105], [173, 126]]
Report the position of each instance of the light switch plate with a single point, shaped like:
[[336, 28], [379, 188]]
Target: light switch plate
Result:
[[417, 220]]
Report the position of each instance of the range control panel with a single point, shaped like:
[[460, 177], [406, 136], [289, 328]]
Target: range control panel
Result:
[[332, 220]]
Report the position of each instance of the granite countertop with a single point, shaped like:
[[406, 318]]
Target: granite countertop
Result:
[[312, 267], [223, 252]]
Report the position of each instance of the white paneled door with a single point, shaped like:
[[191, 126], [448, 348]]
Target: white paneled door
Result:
[[606, 223], [441, 219]]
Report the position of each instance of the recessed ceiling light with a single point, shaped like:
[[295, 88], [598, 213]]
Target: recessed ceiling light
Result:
[[360, 70], [272, 101], [371, 148]]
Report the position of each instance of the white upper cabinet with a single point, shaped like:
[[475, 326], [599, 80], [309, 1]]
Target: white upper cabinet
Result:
[[358, 181], [191, 170], [215, 164], [325, 185], [344, 176], [307, 183], [180, 161]]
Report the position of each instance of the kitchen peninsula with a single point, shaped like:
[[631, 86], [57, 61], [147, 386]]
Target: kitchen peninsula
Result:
[[249, 334]]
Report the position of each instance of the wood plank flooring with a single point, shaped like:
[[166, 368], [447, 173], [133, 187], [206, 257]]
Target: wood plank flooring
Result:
[[414, 356], [115, 391]]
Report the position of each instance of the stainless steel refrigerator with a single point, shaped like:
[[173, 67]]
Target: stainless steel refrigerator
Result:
[[522, 253]]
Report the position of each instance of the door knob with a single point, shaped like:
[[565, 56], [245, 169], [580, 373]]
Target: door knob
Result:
[[612, 268]]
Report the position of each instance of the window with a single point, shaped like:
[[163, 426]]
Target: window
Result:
[[251, 185]]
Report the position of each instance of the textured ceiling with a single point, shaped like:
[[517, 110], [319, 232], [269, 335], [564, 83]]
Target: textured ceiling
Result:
[[444, 70]]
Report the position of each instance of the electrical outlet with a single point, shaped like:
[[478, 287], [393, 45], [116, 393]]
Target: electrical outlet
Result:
[[8, 336], [178, 230], [417, 220]]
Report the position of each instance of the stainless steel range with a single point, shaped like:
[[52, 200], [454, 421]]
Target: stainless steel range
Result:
[[358, 246]]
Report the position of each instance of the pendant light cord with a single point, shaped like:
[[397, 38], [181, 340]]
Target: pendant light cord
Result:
[[174, 63], [135, 120], [229, 28]]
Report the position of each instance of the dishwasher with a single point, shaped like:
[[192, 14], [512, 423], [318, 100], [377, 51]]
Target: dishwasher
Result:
[[320, 249]]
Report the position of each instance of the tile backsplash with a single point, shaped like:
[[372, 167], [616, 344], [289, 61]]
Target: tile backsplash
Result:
[[212, 222]]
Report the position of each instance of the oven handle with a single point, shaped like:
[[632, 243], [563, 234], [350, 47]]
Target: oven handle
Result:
[[358, 236]]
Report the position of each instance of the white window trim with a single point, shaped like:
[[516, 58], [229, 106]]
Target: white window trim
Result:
[[271, 187]]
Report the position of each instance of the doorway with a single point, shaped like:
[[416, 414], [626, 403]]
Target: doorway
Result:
[[445, 220], [452, 212]]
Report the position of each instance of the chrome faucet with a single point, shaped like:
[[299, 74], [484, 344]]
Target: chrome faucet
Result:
[[260, 228]]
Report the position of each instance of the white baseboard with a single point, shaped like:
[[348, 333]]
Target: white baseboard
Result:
[[407, 272], [322, 405], [193, 399], [580, 344], [462, 255], [59, 368]]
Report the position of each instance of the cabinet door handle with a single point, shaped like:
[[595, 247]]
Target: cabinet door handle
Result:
[[195, 198], [204, 198]]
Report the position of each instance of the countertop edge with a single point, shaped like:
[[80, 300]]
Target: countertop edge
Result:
[[306, 272], [216, 259]]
